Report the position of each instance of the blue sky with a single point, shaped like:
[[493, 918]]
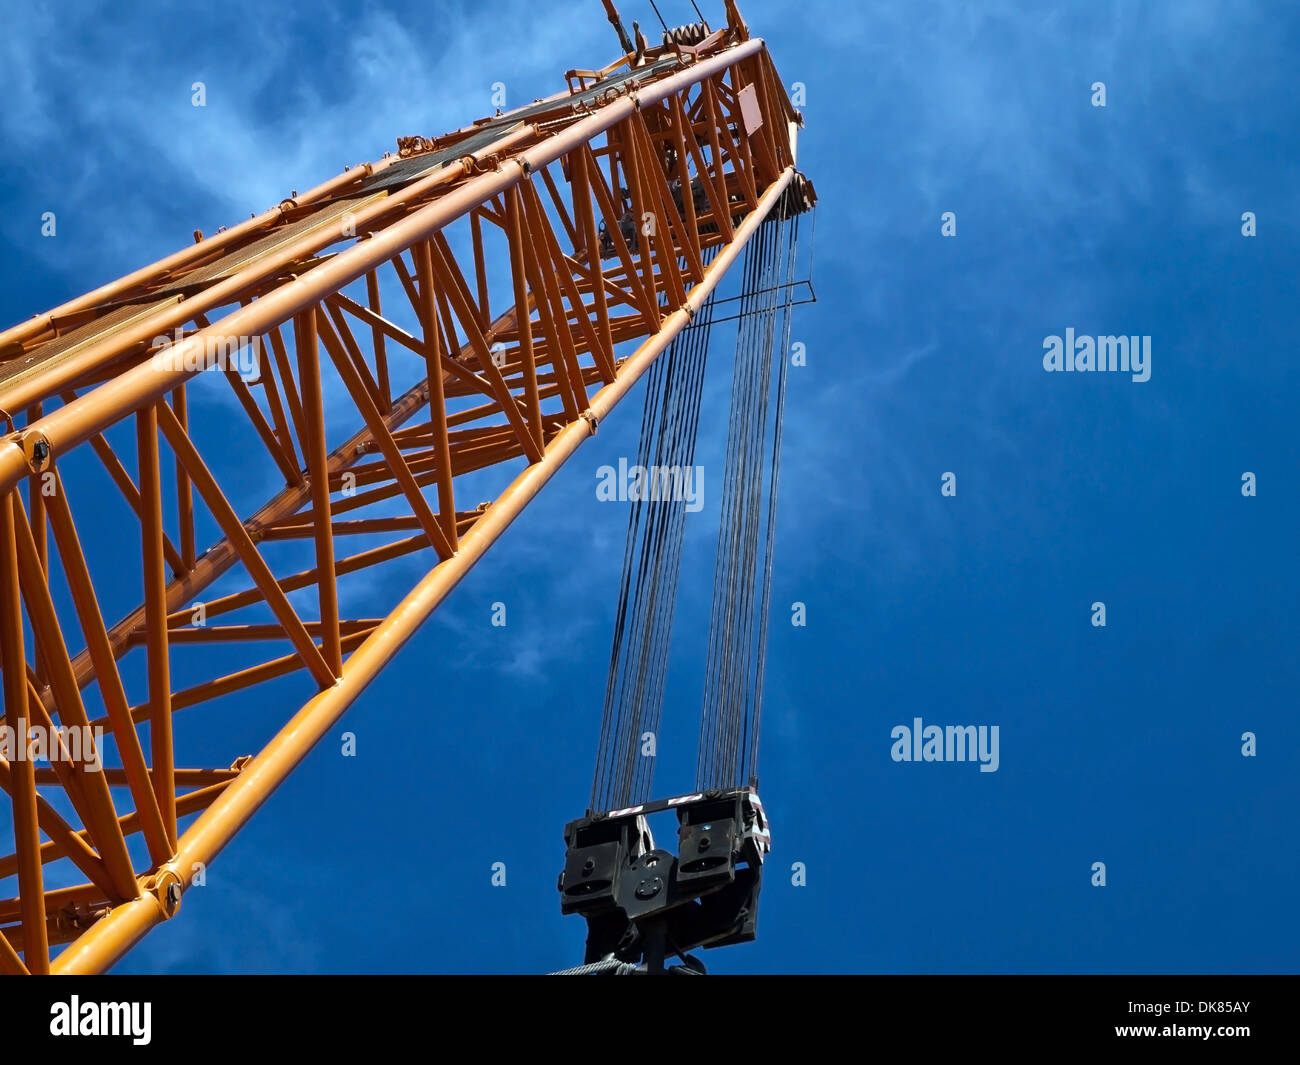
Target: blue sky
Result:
[[1119, 744]]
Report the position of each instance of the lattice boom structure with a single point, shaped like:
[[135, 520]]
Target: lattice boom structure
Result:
[[482, 300]]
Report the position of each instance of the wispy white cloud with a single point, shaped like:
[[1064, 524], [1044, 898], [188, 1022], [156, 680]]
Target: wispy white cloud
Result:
[[117, 106]]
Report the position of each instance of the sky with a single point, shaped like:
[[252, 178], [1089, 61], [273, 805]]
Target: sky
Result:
[[1119, 744]]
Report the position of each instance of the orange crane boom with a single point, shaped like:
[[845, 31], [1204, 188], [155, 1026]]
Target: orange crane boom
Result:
[[483, 300]]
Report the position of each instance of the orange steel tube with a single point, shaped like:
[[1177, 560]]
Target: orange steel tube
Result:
[[106, 941], [184, 494], [10, 963], [383, 438], [64, 840], [155, 616], [129, 824], [518, 250], [444, 271], [39, 526], [258, 632], [316, 460], [101, 818], [559, 281], [115, 778], [99, 652], [378, 341], [178, 313], [180, 260], [209, 567], [74, 423], [351, 564], [22, 774], [545, 314], [108, 458], [437, 395], [237, 535], [291, 398]]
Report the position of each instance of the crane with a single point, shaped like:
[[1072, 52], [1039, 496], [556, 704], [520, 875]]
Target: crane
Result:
[[483, 299]]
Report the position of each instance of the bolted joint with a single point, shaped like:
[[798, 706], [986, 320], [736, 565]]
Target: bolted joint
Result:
[[590, 418], [166, 887], [36, 450]]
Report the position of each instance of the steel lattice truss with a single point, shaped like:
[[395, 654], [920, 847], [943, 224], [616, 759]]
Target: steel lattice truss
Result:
[[483, 300]]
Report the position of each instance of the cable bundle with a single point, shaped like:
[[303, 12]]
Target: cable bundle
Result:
[[742, 582], [733, 688], [638, 664]]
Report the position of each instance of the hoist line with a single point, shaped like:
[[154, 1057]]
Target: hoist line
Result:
[[728, 746], [711, 713], [648, 589], [764, 335], [755, 426], [651, 560], [720, 690], [604, 764], [783, 296], [749, 770], [655, 577], [741, 598], [646, 543], [649, 563], [684, 451]]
